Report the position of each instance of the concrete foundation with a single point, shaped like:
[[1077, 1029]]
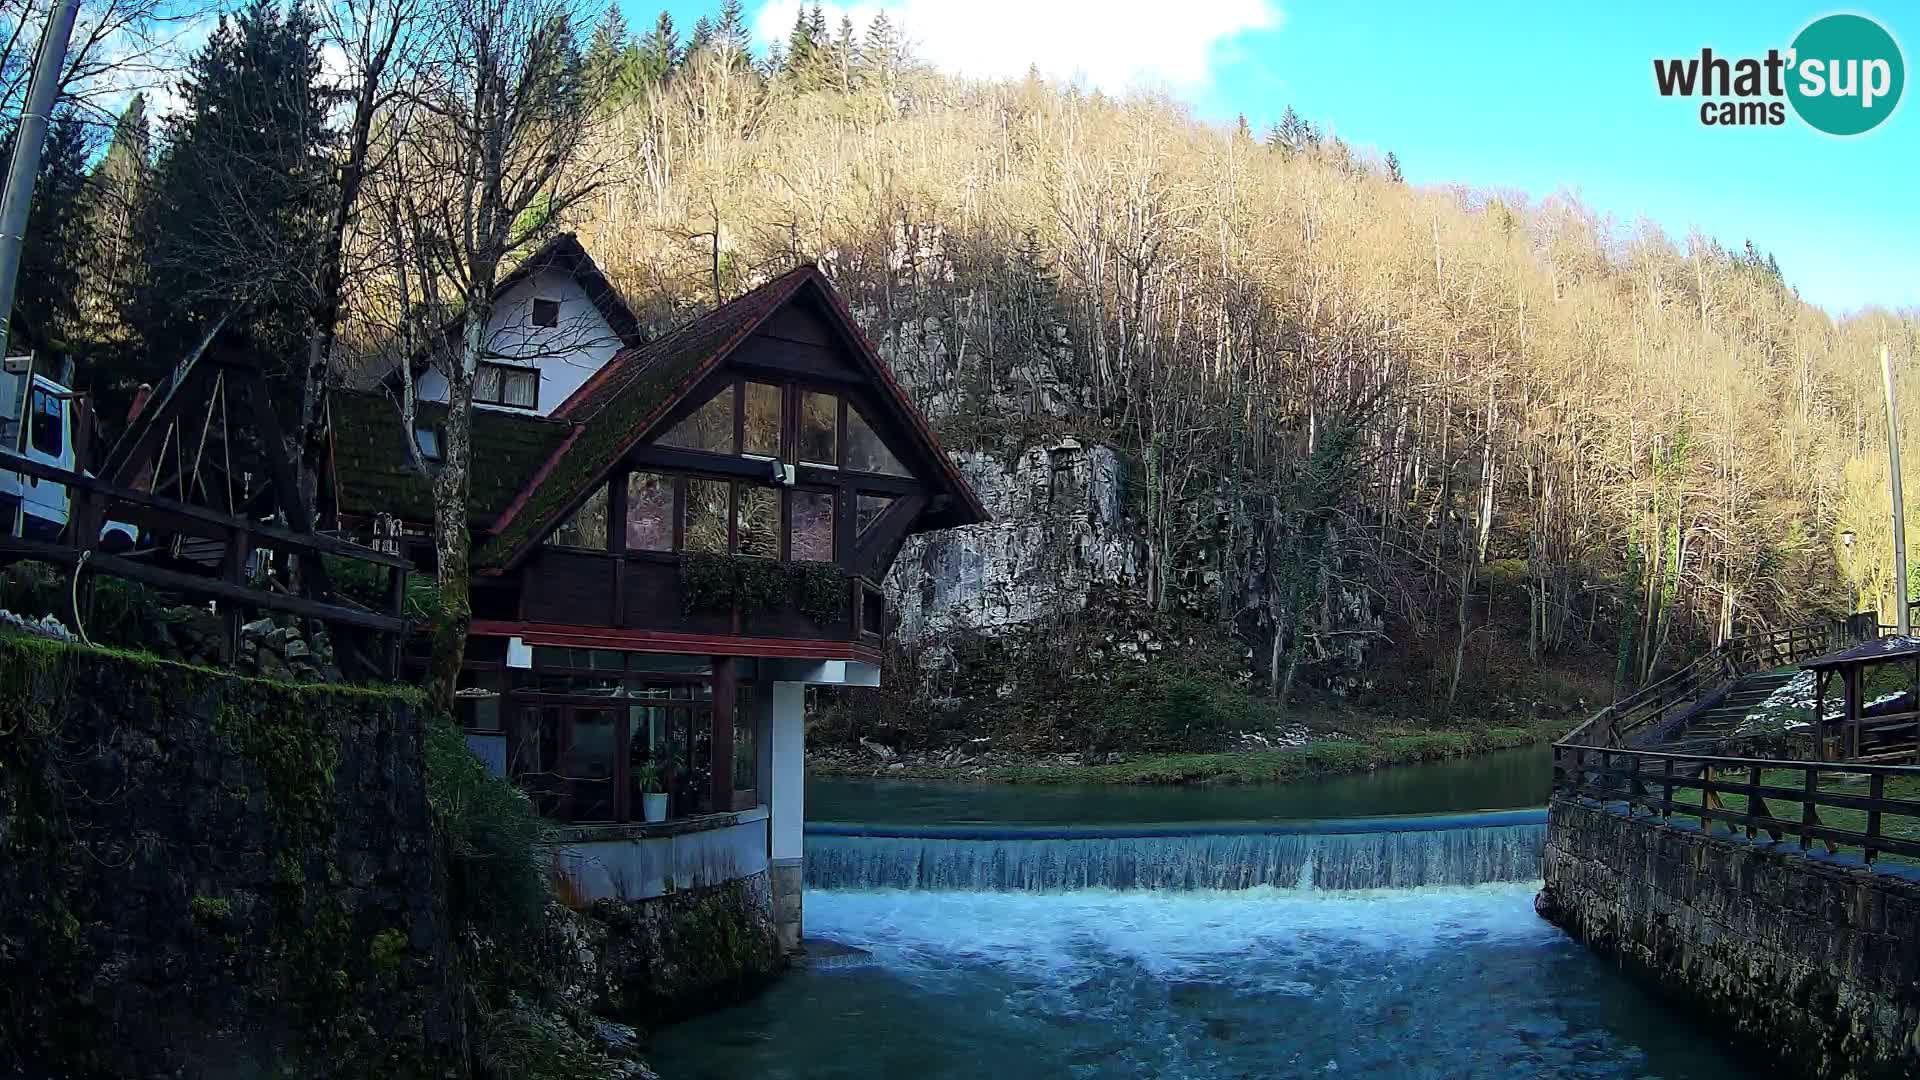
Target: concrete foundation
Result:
[[788, 883]]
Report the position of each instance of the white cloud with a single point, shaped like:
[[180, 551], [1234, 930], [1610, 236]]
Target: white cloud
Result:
[[1110, 45]]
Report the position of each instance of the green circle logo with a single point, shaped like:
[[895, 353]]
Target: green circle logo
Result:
[[1847, 74]]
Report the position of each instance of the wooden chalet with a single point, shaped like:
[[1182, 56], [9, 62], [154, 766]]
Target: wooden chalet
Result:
[[669, 552]]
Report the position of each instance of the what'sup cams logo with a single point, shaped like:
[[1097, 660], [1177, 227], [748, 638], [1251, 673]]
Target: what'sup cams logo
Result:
[[1843, 75]]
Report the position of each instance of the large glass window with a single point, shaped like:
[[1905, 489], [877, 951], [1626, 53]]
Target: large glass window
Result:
[[709, 428], [760, 430], [819, 429], [586, 765], [649, 512], [587, 528], [865, 451], [812, 526], [758, 523], [707, 509]]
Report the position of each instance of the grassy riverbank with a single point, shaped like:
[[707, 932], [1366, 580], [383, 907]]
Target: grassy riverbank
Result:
[[1319, 757]]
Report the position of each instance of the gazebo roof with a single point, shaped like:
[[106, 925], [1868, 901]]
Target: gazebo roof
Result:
[[1893, 647]]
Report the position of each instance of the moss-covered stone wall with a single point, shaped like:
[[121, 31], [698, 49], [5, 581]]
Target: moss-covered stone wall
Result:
[[206, 874], [685, 953], [1808, 965]]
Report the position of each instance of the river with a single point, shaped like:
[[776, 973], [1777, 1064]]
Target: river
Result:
[[1085, 932]]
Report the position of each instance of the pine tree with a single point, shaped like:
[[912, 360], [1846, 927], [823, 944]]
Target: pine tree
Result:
[[801, 46], [1394, 174], [54, 251], [659, 50], [236, 215], [845, 46], [114, 192], [607, 55], [1289, 136], [1241, 131], [702, 37], [882, 53], [731, 33]]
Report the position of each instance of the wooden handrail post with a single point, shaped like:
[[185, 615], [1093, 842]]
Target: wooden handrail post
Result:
[[1666, 798], [1810, 780], [1876, 791]]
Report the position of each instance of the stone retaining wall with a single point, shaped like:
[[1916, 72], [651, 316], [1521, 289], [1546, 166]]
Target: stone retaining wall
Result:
[[1808, 964], [208, 875]]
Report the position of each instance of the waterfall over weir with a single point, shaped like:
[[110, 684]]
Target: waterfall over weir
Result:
[[1358, 853]]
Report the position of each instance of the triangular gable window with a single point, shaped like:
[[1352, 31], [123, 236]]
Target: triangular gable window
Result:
[[709, 428], [866, 452]]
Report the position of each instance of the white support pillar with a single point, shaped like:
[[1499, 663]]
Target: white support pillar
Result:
[[787, 809]]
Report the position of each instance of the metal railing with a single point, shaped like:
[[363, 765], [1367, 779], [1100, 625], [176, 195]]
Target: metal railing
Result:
[[1807, 800]]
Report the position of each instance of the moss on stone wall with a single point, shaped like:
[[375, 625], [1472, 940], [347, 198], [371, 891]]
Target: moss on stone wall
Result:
[[687, 952], [205, 868]]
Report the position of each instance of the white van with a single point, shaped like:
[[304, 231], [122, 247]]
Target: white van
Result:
[[36, 422]]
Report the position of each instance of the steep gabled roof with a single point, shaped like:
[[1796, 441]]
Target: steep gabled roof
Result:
[[622, 402], [566, 254], [373, 473]]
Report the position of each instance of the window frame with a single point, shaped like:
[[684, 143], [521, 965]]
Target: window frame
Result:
[[507, 371], [40, 420], [534, 309]]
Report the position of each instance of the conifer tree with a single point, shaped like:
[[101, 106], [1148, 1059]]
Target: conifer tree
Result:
[[607, 53], [801, 46], [845, 46], [881, 53], [54, 249], [659, 50], [114, 191], [731, 32], [235, 221], [702, 37], [1393, 169]]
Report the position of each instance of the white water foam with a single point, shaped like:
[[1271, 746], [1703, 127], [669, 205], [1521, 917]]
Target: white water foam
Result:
[[1209, 935]]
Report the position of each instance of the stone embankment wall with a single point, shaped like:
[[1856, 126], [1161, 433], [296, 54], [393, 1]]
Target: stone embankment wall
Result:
[[204, 874], [1809, 964]]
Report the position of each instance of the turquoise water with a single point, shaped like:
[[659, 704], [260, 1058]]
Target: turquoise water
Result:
[[1006, 933], [1497, 781], [1461, 982]]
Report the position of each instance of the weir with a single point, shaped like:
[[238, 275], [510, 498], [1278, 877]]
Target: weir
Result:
[[1353, 853]]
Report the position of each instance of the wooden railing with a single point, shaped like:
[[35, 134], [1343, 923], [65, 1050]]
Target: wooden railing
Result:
[[1657, 702], [93, 501], [1807, 800]]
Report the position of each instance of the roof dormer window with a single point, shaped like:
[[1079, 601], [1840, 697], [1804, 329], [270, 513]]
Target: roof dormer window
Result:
[[546, 312]]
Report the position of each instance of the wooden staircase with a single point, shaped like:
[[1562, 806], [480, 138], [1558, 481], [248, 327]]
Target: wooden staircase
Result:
[[1719, 716]]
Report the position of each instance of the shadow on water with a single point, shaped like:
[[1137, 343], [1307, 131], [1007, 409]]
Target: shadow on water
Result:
[[1501, 780]]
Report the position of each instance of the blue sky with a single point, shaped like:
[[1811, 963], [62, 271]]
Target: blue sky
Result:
[[1493, 95]]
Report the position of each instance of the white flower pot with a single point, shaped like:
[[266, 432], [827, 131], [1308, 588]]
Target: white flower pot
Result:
[[654, 806]]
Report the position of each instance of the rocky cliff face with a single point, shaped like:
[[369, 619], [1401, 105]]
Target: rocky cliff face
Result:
[[1057, 534]]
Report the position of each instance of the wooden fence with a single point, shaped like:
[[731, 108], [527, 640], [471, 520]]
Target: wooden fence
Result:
[[1872, 809], [93, 501]]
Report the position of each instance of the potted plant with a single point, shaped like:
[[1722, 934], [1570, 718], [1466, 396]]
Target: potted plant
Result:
[[653, 798]]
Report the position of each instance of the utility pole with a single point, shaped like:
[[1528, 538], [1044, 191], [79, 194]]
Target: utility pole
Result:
[[1899, 507], [30, 138]]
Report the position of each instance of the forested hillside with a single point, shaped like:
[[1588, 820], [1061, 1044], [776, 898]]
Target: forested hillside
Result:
[[1326, 384], [1357, 421]]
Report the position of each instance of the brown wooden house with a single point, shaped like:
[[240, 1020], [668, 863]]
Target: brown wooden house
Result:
[[666, 556]]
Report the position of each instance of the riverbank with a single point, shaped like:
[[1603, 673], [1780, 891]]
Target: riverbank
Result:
[[1250, 763]]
